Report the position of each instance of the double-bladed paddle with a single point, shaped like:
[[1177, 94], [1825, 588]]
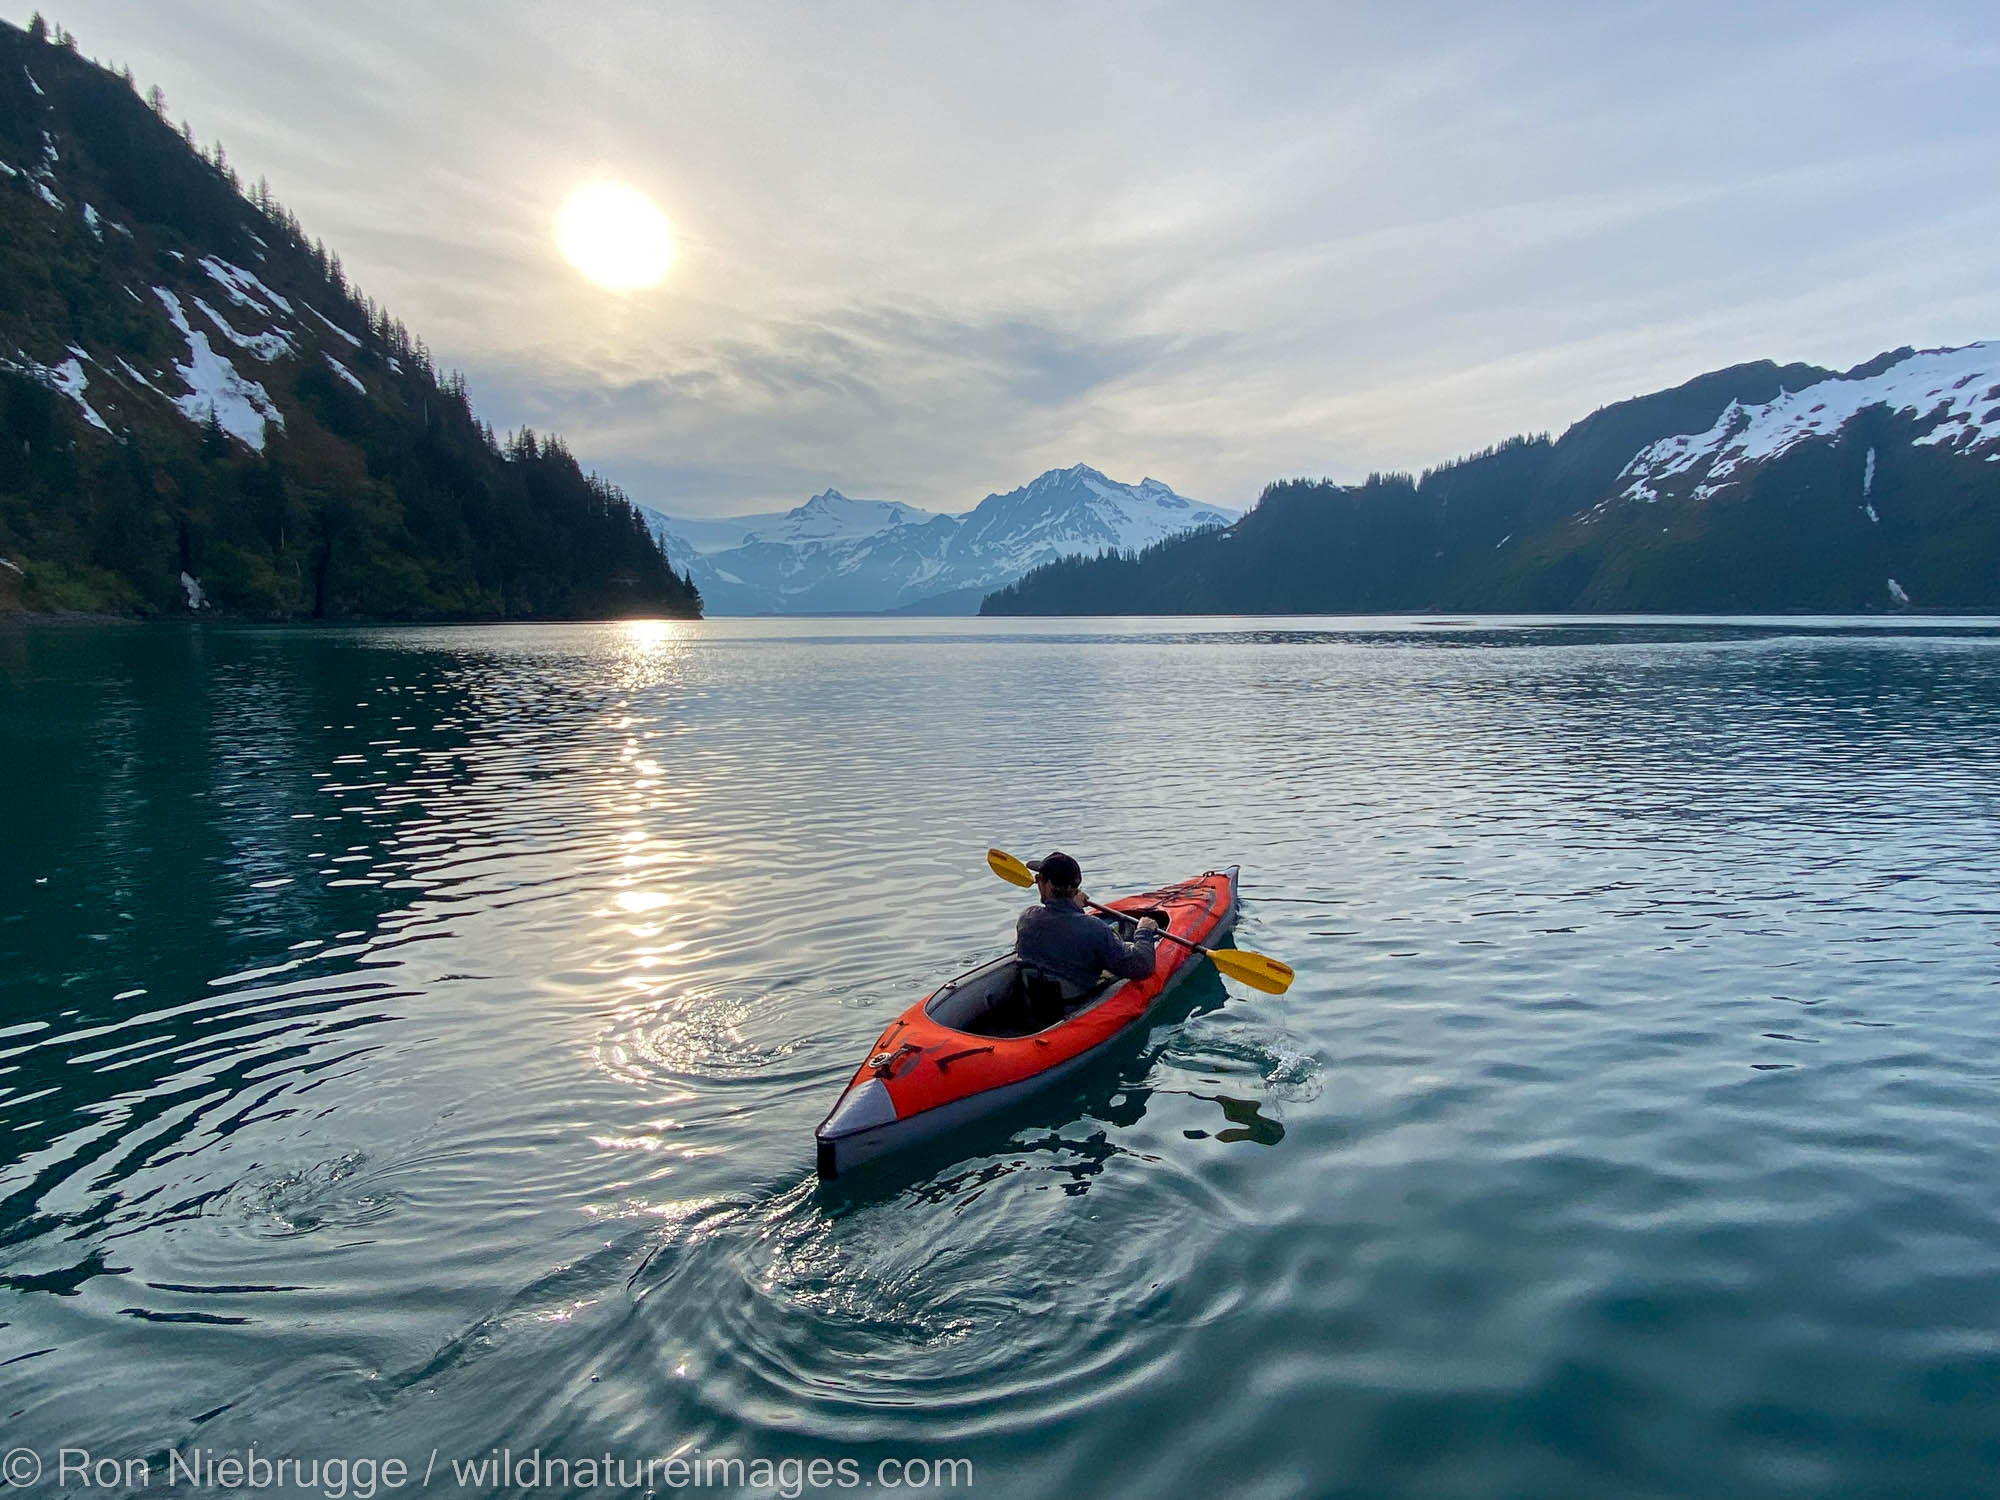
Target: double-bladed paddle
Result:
[[1254, 969]]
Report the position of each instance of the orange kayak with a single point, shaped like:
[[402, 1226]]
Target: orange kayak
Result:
[[979, 1043]]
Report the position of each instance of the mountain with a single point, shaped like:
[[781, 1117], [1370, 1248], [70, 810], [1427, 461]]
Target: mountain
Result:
[[1756, 488], [834, 554], [197, 410], [831, 517], [696, 536]]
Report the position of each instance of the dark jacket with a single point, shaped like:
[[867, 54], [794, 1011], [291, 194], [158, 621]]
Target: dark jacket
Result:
[[1069, 944]]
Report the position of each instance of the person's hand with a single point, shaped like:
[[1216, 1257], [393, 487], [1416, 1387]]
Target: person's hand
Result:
[[1147, 924], [1081, 899]]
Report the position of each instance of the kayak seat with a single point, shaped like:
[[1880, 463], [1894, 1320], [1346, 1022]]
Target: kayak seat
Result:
[[1031, 1002], [1043, 997], [1051, 1000]]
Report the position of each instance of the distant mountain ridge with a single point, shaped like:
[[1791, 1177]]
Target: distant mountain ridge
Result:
[[1756, 488], [831, 517], [836, 554], [198, 411]]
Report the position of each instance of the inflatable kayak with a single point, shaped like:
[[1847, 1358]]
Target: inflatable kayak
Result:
[[987, 1038]]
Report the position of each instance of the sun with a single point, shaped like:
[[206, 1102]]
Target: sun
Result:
[[615, 235]]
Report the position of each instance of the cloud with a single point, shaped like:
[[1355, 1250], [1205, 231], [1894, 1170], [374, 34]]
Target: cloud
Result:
[[924, 251], [939, 393]]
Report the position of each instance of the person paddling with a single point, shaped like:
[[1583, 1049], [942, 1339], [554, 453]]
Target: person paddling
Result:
[[1063, 948]]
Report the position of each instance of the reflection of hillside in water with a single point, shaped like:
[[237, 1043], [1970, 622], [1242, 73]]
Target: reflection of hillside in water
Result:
[[158, 831], [226, 849]]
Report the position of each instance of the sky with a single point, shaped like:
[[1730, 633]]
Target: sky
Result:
[[924, 252]]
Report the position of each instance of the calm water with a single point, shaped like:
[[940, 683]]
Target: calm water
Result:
[[411, 1040]]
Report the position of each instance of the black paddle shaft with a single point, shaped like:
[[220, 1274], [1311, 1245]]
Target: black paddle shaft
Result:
[[1133, 918]]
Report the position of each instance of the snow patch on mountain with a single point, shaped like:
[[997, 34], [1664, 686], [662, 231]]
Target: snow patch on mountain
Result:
[[1956, 390], [331, 325], [344, 373], [266, 346], [45, 174], [242, 288], [95, 222], [67, 378], [241, 407], [127, 366]]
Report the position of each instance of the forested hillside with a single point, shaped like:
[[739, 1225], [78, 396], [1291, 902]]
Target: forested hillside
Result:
[[1756, 488], [198, 411]]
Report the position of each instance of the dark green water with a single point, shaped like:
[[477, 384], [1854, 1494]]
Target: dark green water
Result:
[[411, 1040]]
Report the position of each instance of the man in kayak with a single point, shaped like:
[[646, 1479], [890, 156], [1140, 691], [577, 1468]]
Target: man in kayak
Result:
[[1065, 948]]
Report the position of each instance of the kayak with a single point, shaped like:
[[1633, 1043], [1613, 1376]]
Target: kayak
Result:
[[987, 1039]]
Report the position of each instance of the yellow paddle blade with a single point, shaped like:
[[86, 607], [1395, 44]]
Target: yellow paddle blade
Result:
[[1270, 975], [1009, 868]]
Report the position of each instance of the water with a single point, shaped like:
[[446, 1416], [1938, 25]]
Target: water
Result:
[[412, 1040]]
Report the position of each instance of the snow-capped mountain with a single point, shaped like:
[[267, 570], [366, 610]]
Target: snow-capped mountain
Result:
[[700, 536], [838, 554], [1078, 510], [831, 517], [1950, 392]]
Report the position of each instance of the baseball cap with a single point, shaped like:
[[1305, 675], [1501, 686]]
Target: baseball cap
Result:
[[1058, 869]]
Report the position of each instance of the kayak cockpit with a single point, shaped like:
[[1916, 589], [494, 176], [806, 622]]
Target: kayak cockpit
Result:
[[1000, 999]]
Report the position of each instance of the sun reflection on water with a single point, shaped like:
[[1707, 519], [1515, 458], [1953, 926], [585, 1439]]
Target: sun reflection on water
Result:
[[642, 901]]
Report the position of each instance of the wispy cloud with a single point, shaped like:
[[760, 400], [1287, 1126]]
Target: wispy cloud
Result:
[[925, 251], [942, 396]]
